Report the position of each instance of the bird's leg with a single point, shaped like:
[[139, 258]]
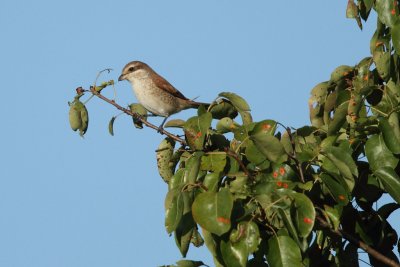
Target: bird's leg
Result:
[[160, 128]]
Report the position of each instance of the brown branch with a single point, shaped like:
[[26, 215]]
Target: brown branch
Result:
[[231, 153], [294, 155], [136, 116], [340, 233]]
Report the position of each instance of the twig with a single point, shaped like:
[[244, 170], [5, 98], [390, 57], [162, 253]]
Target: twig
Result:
[[136, 116], [340, 233], [294, 155], [236, 157]]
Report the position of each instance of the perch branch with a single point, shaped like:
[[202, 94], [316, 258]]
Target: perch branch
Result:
[[136, 116]]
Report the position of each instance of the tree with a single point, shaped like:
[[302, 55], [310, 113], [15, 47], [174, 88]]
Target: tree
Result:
[[276, 196]]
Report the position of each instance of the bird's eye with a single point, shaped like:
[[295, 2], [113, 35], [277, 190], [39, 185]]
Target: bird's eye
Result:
[[131, 69]]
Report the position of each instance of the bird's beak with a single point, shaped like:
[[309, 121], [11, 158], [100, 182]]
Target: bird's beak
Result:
[[121, 77]]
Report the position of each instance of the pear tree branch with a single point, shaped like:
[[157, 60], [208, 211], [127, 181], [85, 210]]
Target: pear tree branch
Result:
[[353, 240], [135, 115]]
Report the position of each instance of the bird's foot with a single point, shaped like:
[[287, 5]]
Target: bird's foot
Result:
[[160, 129]]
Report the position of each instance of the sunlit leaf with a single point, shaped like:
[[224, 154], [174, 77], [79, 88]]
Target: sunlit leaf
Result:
[[304, 214], [141, 111], [378, 154], [385, 8], [390, 181], [196, 130], [240, 104], [270, 146], [283, 252], [396, 37], [212, 210], [192, 167], [174, 209], [177, 123], [390, 132]]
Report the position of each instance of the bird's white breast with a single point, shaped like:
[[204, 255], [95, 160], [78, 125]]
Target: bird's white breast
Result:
[[146, 94]]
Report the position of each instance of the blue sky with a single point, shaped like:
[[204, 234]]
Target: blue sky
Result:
[[98, 201]]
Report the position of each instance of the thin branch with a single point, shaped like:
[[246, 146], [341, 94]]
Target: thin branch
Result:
[[231, 153], [340, 233], [294, 155], [137, 116]]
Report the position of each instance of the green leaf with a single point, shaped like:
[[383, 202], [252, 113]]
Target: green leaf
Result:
[[240, 104], [270, 146], [368, 4], [189, 263], [351, 10], [304, 214], [339, 118], [174, 209], [164, 155], [396, 37], [365, 8], [196, 129], [211, 181], [385, 8], [213, 211], [177, 123], [251, 235], [226, 125], [378, 154], [256, 157], [212, 242], [344, 163], [266, 127], [341, 72], [288, 221], [78, 116], [382, 63], [223, 109], [390, 181], [186, 225], [283, 252], [236, 100], [192, 167], [213, 162], [339, 194], [390, 132], [176, 180], [333, 216], [242, 241], [111, 126], [197, 240], [141, 111]]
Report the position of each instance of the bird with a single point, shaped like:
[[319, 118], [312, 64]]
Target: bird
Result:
[[154, 92]]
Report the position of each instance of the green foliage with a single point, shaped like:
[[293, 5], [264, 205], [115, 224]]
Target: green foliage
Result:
[[267, 194], [78, 115]]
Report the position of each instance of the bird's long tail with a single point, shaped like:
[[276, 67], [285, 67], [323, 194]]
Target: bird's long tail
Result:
[[195, 104]]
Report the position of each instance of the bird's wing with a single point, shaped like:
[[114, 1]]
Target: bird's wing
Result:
[[164, 84]]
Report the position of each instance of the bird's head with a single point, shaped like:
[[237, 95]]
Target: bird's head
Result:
[[135, 70]]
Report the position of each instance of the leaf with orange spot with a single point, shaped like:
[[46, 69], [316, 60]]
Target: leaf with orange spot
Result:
[[304, 214], [195, 130], [212, 211]]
